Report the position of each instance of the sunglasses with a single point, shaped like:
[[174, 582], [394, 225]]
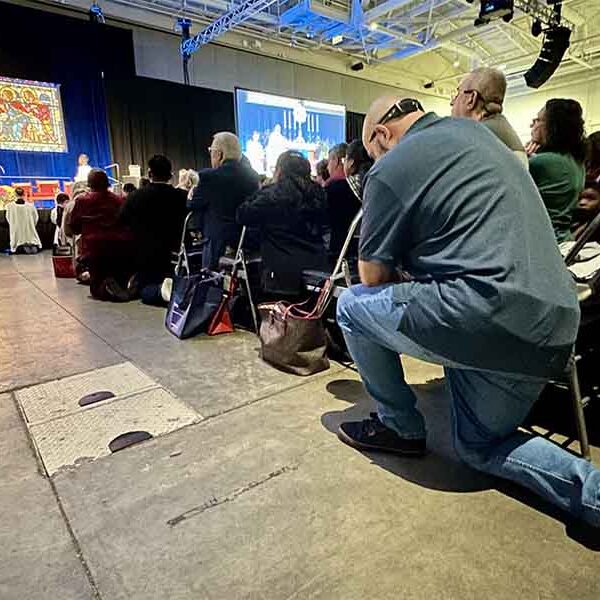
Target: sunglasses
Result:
[[397, 111]]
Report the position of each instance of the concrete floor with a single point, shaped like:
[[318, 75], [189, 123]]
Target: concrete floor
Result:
[[258, 500]]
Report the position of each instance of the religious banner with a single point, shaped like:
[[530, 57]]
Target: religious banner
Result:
[[31, 117]]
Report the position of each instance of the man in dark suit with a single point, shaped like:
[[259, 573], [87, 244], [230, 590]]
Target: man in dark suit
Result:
[[221, 190], [155, 214]]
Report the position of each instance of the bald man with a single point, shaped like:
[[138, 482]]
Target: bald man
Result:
[[480, 97], [491, 300]]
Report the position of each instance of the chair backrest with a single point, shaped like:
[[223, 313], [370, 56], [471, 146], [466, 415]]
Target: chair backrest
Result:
[[584, 238]]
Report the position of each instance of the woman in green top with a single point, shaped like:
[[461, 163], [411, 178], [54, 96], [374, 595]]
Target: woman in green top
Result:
[[558, 167]]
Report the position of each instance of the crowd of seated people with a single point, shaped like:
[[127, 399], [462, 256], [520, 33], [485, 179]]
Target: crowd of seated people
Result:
[[125, 244], [446, 199]]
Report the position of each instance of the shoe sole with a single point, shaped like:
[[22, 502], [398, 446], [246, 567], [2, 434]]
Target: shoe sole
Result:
[[346, 439]]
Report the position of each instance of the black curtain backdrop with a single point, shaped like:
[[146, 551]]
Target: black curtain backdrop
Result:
[[354, 125], [150, 116], [78, 55]]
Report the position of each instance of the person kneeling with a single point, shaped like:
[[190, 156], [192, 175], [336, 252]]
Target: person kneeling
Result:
[[491, 301], [106, 245]]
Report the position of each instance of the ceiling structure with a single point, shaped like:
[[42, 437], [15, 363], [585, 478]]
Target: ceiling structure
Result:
[[418, 44]]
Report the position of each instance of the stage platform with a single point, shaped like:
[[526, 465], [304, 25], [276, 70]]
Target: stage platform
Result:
[[253, 497]]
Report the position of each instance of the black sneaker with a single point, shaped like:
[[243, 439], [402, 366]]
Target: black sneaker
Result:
[[115, 291], [371, 434]]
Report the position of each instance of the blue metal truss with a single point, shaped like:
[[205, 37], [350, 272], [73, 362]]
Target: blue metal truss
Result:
[[238, 14]]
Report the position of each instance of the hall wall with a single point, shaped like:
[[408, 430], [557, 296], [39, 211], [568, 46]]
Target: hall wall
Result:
[[522, 108], [221, 68]]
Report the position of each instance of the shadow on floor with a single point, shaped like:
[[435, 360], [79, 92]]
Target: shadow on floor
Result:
[[440, 469]]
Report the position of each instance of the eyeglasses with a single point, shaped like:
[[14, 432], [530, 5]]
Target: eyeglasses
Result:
[[397, 111]]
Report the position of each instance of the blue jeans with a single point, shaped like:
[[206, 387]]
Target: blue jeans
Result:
[[487, 407]]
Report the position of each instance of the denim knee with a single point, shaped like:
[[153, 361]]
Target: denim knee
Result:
[[344, 309], [475, 456]]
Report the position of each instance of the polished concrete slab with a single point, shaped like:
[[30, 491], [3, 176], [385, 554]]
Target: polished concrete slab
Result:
[[259, 500], [38, 558]]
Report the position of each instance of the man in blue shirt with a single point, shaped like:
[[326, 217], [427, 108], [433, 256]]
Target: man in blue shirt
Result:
[[491, 299]]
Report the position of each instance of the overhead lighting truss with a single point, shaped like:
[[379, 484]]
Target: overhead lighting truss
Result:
[[543, 12], [240, 13]]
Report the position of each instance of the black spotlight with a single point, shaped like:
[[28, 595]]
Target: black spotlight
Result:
[[96, 15], [556, 42], [536, 28], [495, 9], [357, 66]]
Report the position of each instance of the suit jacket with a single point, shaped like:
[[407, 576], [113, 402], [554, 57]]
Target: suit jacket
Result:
[[155, 214], [214, 203]]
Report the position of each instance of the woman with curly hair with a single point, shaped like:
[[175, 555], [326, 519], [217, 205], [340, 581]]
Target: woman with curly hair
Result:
[[558, 167]]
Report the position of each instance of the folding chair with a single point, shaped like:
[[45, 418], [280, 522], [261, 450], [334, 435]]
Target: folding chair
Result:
[[238, 267], [342, 273], [184, 257], [578, 400]]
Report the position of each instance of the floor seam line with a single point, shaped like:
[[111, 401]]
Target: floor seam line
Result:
[[43, 473], [76, 544]]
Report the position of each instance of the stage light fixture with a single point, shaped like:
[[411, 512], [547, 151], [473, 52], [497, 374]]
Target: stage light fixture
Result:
[[556, 43], [536, 28], [96, 15], [495, 9], [357, 66]]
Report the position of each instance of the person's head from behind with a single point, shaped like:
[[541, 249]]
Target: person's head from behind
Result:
[[160, 169], [559, 127], [79, 188], [128, 188], [291, 165], [225, 146], [335, 160], [61, 199], [387, 120], [188, 178], [322, 172], [83, 160], [20, 194], [98, 181], [357, 159], [592, 163], [480, 94]]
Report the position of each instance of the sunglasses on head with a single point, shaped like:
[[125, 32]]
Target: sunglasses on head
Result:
[[397, 111]]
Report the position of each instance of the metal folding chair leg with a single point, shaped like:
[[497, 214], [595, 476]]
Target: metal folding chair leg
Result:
[[248, 290], [578, 411]]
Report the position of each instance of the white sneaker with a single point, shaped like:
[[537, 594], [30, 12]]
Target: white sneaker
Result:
[[166, 289]]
